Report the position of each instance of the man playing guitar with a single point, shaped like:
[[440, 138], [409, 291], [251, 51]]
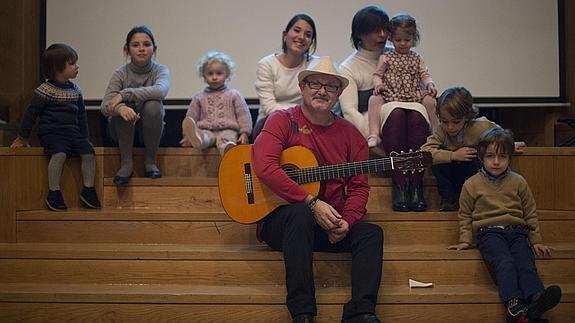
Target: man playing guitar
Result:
[[331, 221]]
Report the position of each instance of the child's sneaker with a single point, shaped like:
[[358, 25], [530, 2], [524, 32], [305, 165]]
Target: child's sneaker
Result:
[[229, 146], [372, 141], [544, 301], [90, 198], [448, 205], [516, 312], [55, 201], [192, 132]]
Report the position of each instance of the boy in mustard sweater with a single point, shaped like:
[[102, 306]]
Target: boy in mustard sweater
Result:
[[453, 144], [498, 209]]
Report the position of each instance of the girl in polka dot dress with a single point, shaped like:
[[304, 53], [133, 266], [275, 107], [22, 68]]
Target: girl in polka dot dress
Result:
[[401, 75]]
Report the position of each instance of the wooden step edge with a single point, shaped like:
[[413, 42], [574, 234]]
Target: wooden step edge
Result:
[[264, 294], [143, 214], [374, 181], [165, 151], [166, 181], [125, 251], [124, 214], [115, 151]]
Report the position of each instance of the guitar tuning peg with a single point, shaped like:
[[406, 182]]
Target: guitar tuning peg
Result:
[[403, 152], [410, 150]]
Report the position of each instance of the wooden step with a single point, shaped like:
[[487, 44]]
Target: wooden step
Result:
[[214, 227], [202, 192], [138, 303], [261, 252], [224, 265], [173, 162]]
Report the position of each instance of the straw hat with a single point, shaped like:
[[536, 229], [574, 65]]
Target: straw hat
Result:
[[323, 66]]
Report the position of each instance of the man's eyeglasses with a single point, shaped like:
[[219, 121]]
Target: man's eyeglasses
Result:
[[317, 86]]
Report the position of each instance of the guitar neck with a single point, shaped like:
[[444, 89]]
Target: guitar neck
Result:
[[322, 173]]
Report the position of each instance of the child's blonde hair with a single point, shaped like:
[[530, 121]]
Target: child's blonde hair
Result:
[[501, 138], [458, 102], [407, 22], [219, 57]]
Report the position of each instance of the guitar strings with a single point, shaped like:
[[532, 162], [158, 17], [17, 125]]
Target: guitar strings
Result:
[[320, 173]]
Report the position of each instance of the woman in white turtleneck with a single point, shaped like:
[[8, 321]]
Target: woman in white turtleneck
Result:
[[369, 36], [277, 83], [405, 126]]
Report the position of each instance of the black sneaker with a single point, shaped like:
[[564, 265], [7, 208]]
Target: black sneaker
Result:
[[55, 201], [544, 301], [448, 206], [303, 318], [90, 198], [516, 312], [363, 318]]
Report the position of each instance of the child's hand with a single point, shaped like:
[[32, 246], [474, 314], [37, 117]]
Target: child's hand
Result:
[[542, 250], [460, 246], [520, 146], [185, 142], [243, 139], [128, 114], [20, 142], [111, 105], [464, 154], [378, 89], [432, 90]]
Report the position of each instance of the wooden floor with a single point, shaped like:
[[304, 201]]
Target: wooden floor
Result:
[[164, 251]]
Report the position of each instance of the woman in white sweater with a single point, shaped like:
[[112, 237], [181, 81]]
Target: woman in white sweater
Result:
[[277, 83], [404, 125]]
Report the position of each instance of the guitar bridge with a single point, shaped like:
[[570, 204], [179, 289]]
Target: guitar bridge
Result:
[[248, 182]]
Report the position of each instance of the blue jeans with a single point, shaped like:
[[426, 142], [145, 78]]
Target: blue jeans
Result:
[[508, 255]]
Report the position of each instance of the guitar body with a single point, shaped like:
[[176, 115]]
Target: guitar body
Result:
[[247, 200], [244, 197]]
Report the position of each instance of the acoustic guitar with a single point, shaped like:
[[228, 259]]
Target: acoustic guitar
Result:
[[247, 200]]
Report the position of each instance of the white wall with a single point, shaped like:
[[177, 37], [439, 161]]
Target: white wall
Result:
[[495, 48]]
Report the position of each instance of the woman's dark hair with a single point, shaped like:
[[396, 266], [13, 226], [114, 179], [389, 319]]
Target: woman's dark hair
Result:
[[306, 18], [54, 59], [407, 22], [139, 29], [501, 138], [368, 20]]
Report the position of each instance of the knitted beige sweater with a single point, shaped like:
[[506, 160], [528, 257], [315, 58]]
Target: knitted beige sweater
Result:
[[484, 202]]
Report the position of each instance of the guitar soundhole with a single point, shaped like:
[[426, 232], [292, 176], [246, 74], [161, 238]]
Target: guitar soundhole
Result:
[[288, 167], [292, 171]]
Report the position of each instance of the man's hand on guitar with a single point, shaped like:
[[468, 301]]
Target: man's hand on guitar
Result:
[[326, 216], [337, 234]]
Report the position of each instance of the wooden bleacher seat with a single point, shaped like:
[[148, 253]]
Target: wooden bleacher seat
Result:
[[164, 250]]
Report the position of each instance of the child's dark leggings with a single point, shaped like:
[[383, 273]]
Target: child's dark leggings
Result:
[[404, 129], [451, 176]]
